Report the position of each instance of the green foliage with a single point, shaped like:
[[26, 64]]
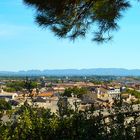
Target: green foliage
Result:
[[8, 89], [73, 18], [30, 85], [40, 124], [15, 86], [133, 92], [64, 108], [97, 82], [75, 91], [4, 105]]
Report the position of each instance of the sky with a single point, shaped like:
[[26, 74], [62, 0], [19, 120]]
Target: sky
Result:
[[25, 46]]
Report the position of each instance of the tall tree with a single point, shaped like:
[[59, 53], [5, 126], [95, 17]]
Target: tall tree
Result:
[[73, 18]]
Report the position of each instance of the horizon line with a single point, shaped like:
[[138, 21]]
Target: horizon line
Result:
[[68, 69]]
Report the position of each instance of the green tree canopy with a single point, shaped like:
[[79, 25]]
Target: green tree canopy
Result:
[[40, 124], [15, 86], [73, 18], [75, 91], [4, 105]]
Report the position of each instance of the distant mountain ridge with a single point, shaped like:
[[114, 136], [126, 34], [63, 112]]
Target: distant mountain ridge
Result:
[[75, 72]]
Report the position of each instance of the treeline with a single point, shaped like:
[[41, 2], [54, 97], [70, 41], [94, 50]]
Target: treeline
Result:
[[75, 91], [14, 86], [28, 123], [133, 92]]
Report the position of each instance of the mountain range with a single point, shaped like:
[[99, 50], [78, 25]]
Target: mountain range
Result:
[[75, 72]]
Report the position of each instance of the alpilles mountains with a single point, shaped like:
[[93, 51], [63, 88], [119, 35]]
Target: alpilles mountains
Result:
[[75, 72]]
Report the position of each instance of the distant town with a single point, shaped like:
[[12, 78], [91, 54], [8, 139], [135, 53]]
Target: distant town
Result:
[[46, 92], [55, 104]]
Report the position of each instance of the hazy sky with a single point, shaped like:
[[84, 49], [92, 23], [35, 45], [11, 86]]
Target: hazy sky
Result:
[[25, 46]]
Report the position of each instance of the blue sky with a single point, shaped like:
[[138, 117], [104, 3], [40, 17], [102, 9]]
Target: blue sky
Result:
[[25, 46]]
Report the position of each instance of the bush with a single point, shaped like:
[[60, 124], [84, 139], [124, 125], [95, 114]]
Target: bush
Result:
[[4, 105]]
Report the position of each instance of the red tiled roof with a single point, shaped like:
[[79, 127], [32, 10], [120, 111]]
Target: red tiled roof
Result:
[[45, 94]]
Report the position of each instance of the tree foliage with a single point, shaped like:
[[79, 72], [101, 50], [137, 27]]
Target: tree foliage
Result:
[[73, 18], [133, 92], [16, 86], [38, 123], [4, 105], [29, 85], [75, 91]]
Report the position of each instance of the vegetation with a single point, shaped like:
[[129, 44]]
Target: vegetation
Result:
[[38, 123], [133, 92], [73, 18], [30, 85], [4, 105], [15, 86], [28, 123], [75, 91]]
